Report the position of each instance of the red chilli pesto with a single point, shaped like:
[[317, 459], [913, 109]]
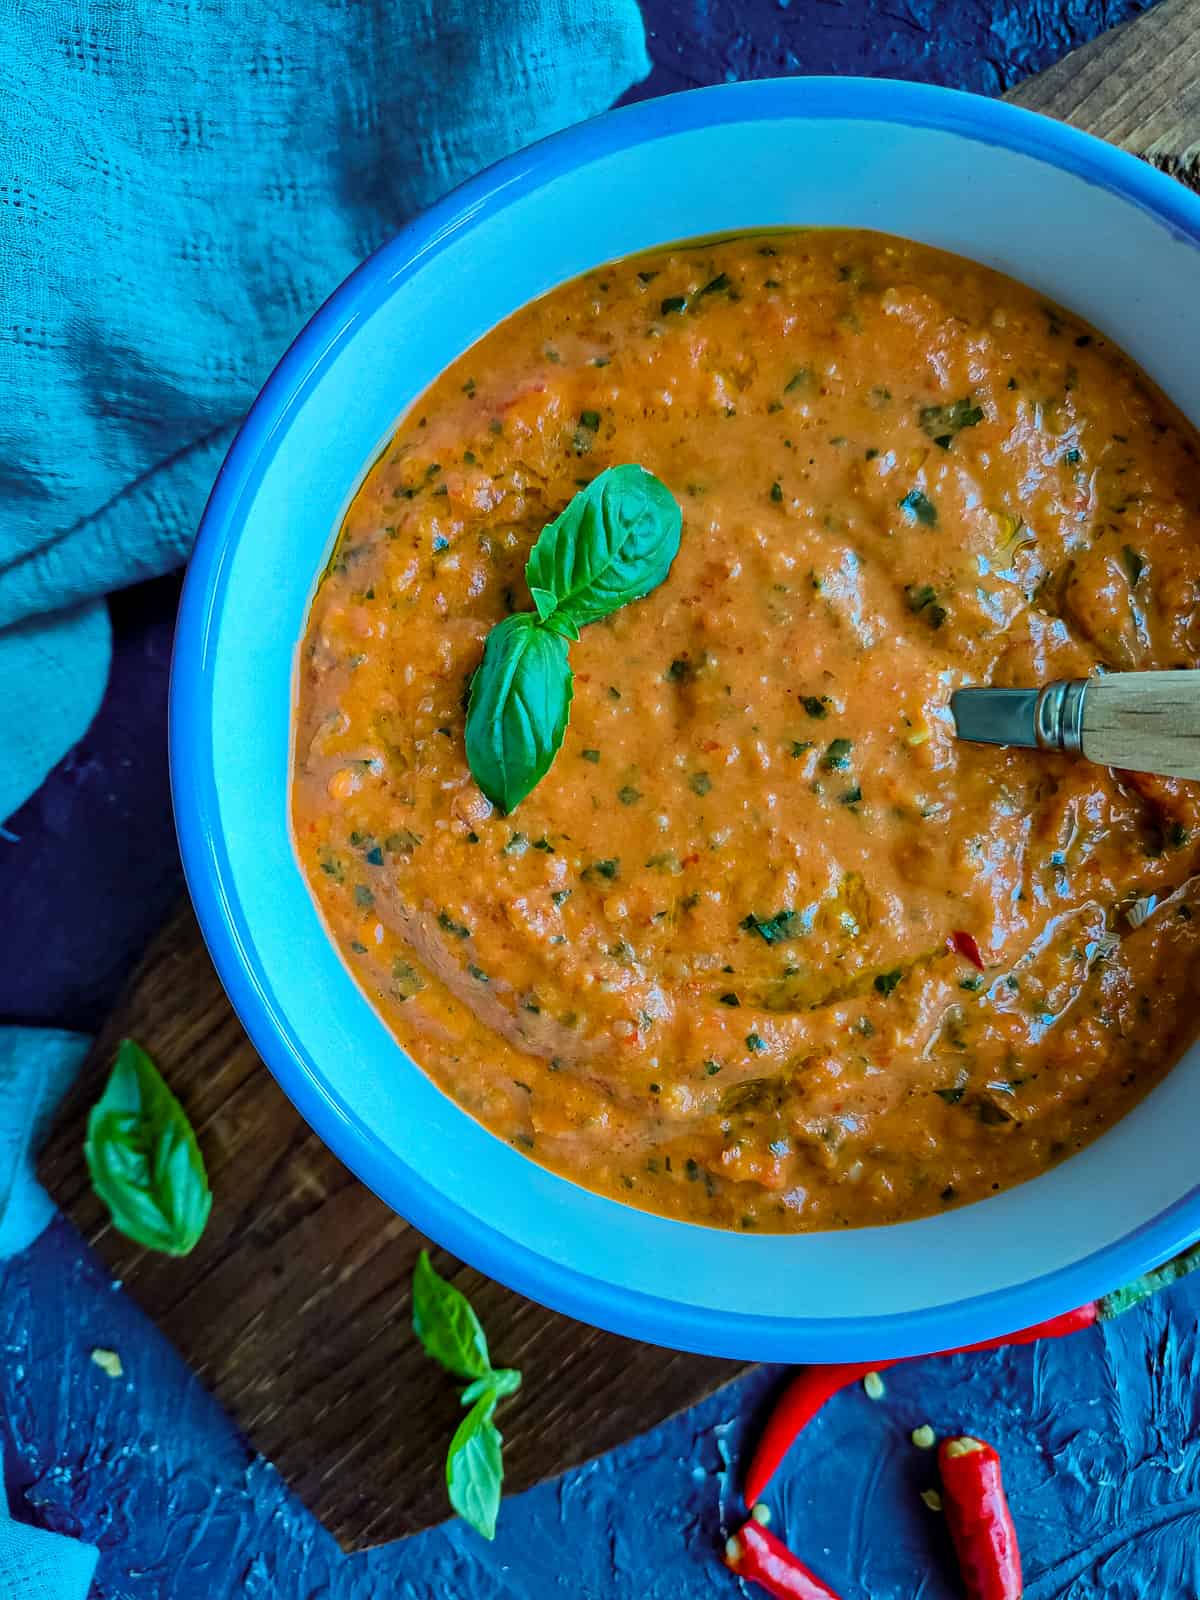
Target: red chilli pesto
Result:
[[709, 965]]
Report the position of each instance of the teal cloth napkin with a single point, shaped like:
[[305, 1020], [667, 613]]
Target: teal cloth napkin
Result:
[[36, 1065], [182, 186], [38, 1565]]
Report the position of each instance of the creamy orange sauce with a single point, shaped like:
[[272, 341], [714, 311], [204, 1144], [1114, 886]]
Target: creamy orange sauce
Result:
[[704, 967]]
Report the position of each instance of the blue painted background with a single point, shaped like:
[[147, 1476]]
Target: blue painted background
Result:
[[1098, 1433]]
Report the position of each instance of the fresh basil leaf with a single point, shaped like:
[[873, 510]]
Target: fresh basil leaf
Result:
[[517, 715], [613, 543], [474, 1469], [446, 1325], [143, 1157], [500, 1383]]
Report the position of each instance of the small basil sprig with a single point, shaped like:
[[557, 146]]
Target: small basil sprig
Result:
[[613, 543], [451, 1333], [143, 1157]]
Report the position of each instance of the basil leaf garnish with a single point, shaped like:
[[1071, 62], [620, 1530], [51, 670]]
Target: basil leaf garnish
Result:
[[613, 543], [143, 1157], [446, 1325], [451, 1333], [517, 714], [474, 1469]]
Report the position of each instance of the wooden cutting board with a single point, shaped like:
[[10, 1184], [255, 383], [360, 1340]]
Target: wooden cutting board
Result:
[[294, 1308]]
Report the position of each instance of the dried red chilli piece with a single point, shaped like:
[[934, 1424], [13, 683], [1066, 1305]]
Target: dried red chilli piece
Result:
[[756, 1554], [979, 1520], [808, 1391], [967, 945]]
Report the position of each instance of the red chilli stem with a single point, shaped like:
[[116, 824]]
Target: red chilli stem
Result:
[[756, 1554], [1131, 1294], [808, 1391], [979, 1520]]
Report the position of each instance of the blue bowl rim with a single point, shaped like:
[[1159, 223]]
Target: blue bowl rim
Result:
[[657, 1319]]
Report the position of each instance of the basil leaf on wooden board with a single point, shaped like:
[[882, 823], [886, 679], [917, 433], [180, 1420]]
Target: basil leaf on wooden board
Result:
[[446, 1325], [451, 1333], [613, 543], [500, 1383], [143, 1157], [517, 714], [474, 1469]]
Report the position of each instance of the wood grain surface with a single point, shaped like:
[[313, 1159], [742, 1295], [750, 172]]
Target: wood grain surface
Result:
[[1145, 722], [1138, 86], [294, 1308]]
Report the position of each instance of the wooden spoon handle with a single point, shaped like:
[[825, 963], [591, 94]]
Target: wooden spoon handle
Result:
[[1146, 721]]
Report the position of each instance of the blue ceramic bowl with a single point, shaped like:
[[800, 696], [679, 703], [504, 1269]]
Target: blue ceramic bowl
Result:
[[1092, 228]]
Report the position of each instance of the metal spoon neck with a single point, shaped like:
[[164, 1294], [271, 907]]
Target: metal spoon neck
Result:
[[1058, 717], [1049, 718]]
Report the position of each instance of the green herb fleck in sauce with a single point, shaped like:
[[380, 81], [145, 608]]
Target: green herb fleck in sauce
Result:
[[602, 869], [923, 597], [917, 507], [837, 755], [943, 424], [782, 926]]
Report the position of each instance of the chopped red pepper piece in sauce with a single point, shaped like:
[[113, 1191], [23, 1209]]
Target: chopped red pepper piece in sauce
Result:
[[967, 945]]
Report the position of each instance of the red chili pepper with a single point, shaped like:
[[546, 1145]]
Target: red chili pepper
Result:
[[812, 1386], [800, 1401], [966, 945], [979, 1520], [755, 1553]]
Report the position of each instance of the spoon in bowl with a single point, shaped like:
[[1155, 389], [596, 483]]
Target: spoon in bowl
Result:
[[1143, 721]]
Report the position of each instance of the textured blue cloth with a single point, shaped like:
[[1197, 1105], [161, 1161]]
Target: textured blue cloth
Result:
[[182, 185]]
